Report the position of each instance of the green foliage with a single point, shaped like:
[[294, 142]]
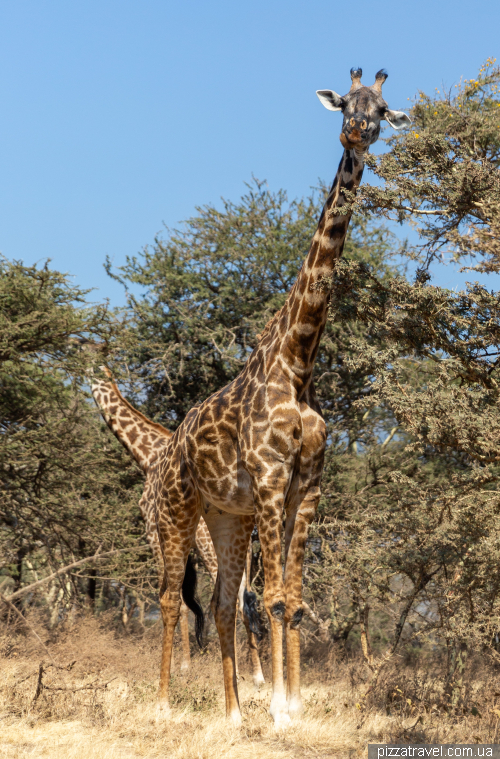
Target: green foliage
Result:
[[429, 357], [65, 487], [39, 317], [442, 173]]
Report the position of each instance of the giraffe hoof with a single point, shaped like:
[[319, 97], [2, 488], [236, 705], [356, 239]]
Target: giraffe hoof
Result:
[[258, 681], [163, 710], [235, 718], [281, 721], [295, 707], [279, 711]]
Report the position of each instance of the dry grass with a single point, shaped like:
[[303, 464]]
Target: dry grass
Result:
[[120, 720]]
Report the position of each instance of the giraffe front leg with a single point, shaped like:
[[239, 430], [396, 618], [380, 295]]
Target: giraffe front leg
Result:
[[230, 534], [276, 611], [269, 515], [297, 527]]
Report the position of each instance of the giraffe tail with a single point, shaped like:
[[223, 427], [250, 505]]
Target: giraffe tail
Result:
[[251, 612], [191, 600]]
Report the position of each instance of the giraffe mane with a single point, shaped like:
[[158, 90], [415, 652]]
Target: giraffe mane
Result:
[[268, 326]]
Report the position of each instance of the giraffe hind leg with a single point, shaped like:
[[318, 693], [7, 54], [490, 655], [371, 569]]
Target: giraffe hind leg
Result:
[[251, 619], [230, 534], [190, 602], [176, 540]]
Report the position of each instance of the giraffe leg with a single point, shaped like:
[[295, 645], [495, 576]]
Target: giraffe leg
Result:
[[244, 595], [269, 526], [147, 509], [297, 526], [186, 655], [279, 705], [170, 604], [230, 534], [206, 550], [257, 674], [176, 538]]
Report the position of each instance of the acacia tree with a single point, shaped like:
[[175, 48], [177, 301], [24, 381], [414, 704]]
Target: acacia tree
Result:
[[442, 174], [414, 523], [66, 489]]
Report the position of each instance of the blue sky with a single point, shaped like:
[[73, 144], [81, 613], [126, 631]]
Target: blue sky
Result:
[[118, 117]]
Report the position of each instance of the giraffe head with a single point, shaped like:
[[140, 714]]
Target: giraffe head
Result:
[[363, 109]]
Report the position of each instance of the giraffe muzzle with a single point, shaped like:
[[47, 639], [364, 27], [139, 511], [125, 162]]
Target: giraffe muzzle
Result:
[[353, 140]]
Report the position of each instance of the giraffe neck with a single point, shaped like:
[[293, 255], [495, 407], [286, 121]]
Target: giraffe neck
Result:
[[303, 317], [138, 434]]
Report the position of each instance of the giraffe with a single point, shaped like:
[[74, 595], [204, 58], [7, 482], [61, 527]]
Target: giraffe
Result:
[[144, 439], [253, 451]]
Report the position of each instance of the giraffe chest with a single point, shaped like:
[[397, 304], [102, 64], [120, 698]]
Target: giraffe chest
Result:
[[228, 460]]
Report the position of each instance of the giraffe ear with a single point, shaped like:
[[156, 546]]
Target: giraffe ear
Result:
[[330, 100], [397, 119]]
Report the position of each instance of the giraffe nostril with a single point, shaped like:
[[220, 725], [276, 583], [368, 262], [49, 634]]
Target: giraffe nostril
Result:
[[363, 124], [352, 122]]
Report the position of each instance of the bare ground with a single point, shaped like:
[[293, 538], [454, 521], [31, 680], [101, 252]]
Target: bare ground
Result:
[[102, 705]]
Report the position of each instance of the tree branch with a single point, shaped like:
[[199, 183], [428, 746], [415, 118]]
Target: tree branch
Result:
[[96, 557], [430, 212], [323, 625]]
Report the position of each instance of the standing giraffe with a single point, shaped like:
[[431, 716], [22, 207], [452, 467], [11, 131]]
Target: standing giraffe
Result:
[[144, 439], [254, 450]]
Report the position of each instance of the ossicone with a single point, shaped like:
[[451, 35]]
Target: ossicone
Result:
[[356, 74], [380, 78]]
